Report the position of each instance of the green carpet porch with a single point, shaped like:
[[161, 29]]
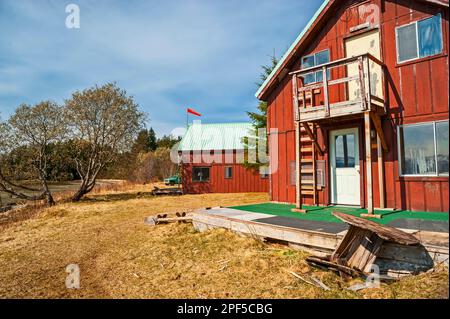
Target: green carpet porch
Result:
[[317, 213]]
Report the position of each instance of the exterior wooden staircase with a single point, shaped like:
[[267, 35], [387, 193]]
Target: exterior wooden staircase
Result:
[[308, 163]]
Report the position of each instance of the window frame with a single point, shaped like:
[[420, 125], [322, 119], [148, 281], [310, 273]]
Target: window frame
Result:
[[265, 175], [231, 170], [315, 72], [400, 153], [418, 57], [201, 167]]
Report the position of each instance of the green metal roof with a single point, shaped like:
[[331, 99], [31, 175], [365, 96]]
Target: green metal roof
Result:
[[292, 47], [217, 136]]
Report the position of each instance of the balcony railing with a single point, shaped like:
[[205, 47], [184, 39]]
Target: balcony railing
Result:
[[348, 86]]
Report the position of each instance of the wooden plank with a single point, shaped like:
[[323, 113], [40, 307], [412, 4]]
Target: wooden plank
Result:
[[385, 232], [368, 162]]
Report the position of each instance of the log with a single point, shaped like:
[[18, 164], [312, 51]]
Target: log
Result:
[[155, 220]]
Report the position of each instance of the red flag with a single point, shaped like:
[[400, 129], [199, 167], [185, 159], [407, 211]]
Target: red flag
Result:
[[193, 112]]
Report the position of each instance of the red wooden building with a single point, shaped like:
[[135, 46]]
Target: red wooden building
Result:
[[212, 157], [361, 104]]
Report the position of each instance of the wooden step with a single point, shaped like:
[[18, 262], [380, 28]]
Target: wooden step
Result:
[[305, 139], [307, 160], [306, 150], [307, 182], [310, 187], [307, 171], [307, 192]]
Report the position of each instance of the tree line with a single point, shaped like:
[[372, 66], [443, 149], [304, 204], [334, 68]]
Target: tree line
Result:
[[97, 133]]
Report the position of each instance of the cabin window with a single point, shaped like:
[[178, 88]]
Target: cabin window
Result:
[[419, 39], [200, 174], [264, 171], [315, 59], [423, 149], [228, 172]]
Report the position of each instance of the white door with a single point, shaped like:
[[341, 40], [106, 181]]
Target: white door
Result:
[[344, 151], [368, 42]]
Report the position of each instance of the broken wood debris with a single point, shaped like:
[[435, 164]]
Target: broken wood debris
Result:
[[313, 281], [358, 250]]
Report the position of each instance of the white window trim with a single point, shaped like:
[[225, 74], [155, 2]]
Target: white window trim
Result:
[[314, 56], [417, 40], [399, 150]]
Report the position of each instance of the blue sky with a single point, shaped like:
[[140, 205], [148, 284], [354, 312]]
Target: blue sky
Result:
[[169, 55]]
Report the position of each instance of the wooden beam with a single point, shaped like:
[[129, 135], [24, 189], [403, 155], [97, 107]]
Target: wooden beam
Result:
[[368, 162], [312, 137], [380, 172], [295, 98], [377, 123], [325, 91]]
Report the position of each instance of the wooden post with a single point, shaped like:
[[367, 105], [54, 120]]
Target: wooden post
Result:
[[362, 91], [314, 167], [298, 191], [298, 173], [368, 167], [295, 98], [380, 171], [325, 91]]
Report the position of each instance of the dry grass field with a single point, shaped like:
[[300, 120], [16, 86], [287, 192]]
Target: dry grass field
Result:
[[120, 257]]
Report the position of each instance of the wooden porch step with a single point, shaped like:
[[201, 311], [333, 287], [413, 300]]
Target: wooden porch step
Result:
[[310, 187]]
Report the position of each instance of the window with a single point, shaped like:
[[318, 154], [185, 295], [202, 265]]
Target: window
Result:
[[314, 60], [200, 174], [423, 148], [345, 150], [264, 171], [419, 39], [228, 172], [320, 173]]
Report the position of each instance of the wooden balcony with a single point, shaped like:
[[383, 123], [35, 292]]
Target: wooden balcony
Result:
[[353, 85]]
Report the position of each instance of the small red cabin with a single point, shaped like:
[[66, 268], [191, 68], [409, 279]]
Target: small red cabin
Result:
[[361, 106], [211, 160]]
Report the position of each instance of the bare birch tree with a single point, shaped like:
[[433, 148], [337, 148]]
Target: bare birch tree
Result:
[[104, 122], [35, 127]]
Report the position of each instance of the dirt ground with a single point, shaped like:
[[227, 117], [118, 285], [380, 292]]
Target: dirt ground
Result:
[[120, 257]]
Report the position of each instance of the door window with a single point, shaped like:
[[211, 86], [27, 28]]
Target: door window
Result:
[[345, 150]]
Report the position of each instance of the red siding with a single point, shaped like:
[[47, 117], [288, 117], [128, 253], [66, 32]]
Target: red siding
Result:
[[242, 180], [417, 92]]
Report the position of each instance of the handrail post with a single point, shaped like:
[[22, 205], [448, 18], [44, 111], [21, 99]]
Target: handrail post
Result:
[[295, 97], [362, 90], [325, 91], [368, 83]]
